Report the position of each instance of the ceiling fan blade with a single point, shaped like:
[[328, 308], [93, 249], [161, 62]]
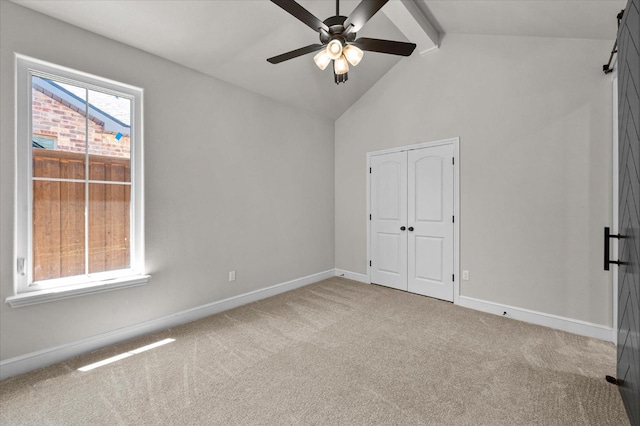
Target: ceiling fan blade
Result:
[[385, 46], [295, 53], [302, 14], [361, 14]]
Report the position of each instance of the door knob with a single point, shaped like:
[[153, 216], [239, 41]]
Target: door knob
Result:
[[402, 228], [411, 228]]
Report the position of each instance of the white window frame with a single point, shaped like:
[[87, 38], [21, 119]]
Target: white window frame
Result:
[[28, 292]]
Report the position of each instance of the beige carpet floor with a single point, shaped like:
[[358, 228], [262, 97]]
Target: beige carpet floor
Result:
[[332, 353]]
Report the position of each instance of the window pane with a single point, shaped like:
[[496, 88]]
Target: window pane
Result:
[[58, 229], [109, 136], [58, 129], [109, 221]]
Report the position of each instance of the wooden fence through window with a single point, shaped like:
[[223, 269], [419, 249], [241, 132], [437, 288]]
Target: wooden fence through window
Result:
[[58, 214]]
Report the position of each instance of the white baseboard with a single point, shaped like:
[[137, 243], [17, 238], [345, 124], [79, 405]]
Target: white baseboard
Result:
[[31, 361], [352, 276], [570, 325]]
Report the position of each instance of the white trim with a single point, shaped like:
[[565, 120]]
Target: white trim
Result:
[[58, 293], [456, 204], [415, 146], [27, 67], [352, 276], [456, 224], [615, 201], [367, 216], [570, 325], [23, 363]]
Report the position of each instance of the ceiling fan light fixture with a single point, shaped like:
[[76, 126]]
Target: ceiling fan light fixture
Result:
[[322, 59], [353, 54], [334, 49], [340, 65]]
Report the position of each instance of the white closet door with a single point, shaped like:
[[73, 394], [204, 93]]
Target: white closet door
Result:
[[430, 222], [388, 215]]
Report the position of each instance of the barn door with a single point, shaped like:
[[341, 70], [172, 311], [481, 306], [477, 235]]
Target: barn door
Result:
[[628, 369]]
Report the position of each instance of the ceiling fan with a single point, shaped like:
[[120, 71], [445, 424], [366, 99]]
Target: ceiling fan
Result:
[[338, 38]]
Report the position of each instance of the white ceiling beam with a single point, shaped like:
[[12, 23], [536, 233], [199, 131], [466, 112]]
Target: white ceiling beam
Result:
[[409, 19]]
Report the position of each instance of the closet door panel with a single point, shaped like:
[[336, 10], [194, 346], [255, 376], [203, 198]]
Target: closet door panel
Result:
[[430, 221], [388, 216]]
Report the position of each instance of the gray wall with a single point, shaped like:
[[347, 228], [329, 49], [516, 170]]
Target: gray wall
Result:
[[534, 120], [233, 181]]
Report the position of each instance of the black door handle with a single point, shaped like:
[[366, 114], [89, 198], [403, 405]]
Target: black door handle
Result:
[[411, 228], [607, 236], [402, 228]]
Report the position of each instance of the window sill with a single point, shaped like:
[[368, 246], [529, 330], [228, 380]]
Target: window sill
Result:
[[59, 293]]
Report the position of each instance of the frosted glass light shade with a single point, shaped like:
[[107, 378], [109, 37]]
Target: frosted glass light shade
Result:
[[334, 49], [322, 59], [340, 65], [353, 54]]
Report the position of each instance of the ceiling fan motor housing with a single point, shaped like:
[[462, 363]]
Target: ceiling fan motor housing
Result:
[[336, 30]]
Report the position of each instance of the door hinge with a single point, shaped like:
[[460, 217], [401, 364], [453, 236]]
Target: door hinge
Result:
[[369, 217], [369, 263], [454, 219], [369, 169], [454, 277], [453, 160]]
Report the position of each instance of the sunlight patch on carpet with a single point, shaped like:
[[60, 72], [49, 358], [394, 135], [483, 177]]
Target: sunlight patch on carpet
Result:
[[124, 355]]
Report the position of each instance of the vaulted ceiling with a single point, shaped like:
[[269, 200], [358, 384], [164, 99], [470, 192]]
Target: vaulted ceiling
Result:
[[231, 39]]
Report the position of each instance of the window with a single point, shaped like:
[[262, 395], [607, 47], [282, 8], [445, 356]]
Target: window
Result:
[[46, 142], [79, 183]]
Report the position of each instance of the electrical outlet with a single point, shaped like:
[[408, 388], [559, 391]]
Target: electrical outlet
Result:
[[465, 275], [232, 275]]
